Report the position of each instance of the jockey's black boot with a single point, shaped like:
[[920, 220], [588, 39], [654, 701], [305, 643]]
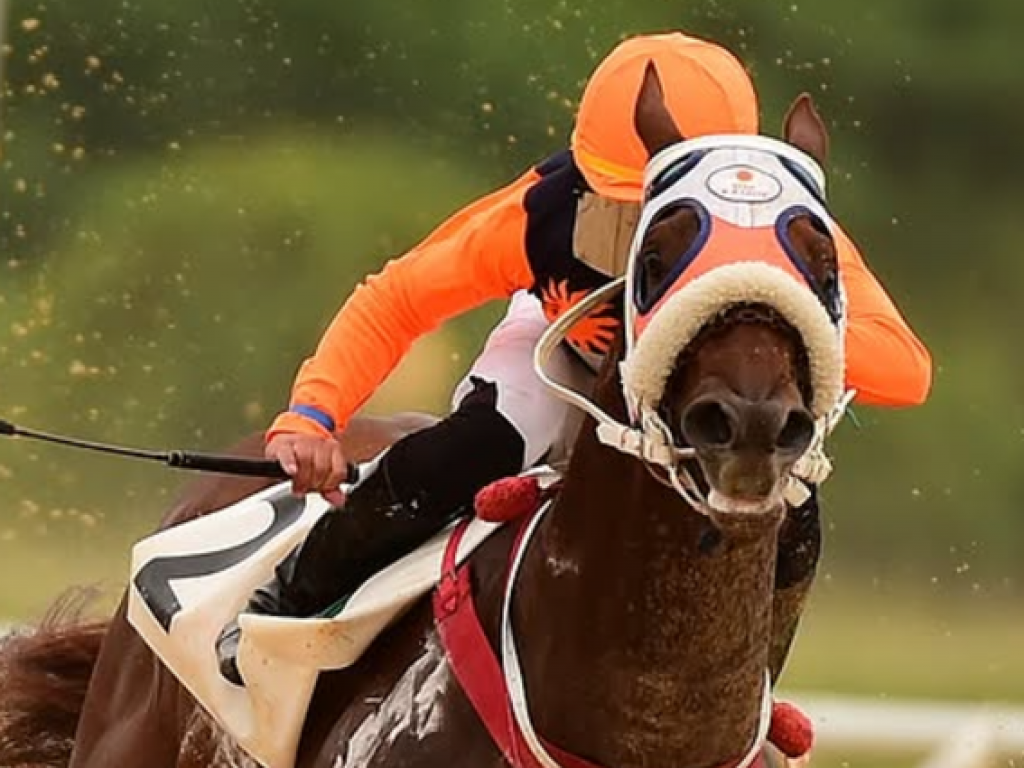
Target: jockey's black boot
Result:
[[422, 483]]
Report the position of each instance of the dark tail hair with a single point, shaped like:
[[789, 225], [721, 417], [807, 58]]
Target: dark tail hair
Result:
[[44, 676]]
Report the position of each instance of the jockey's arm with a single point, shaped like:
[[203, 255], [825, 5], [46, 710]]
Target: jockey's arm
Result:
[[885, 362], [475, 256]]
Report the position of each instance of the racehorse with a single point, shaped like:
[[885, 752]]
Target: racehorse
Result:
[[647, 620]]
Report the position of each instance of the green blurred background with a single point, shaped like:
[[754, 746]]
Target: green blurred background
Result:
[[189, 190]]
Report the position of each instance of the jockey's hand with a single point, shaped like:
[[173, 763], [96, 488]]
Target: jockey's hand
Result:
[[315, 464]]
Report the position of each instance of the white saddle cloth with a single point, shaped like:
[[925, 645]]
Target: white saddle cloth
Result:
[[189, 581]]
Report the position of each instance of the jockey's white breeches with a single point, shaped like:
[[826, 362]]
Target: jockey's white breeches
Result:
[[547, 424]]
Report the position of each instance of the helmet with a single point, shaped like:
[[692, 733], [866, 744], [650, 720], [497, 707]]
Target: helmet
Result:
[[707, 91]]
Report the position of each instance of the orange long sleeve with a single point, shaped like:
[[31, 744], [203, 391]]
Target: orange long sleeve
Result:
[[885, 362], [476, 255]]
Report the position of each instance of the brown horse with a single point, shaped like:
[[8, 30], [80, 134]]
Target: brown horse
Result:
[[645, 627]]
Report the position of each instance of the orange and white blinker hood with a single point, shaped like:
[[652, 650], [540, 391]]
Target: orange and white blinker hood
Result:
[[746, 190]]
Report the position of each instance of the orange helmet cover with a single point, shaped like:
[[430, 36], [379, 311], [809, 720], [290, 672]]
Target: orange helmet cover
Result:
[[707, 91]]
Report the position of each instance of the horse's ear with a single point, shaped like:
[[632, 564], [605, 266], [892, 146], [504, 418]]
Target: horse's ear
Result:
[[804, 129], [651, 118]]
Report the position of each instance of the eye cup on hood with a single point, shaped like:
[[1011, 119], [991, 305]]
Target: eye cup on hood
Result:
[[654, 273]]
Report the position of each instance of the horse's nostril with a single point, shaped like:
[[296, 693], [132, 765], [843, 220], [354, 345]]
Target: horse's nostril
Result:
[[797, 432], [708, 424]]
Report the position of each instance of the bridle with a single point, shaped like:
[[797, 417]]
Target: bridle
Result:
[[651, 440]]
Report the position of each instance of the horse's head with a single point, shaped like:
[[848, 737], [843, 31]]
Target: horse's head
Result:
[[735, 303]]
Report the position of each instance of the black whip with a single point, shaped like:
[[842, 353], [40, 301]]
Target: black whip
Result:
[[201, 462]]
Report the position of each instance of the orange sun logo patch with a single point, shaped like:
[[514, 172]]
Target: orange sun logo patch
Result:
[[593, 333]]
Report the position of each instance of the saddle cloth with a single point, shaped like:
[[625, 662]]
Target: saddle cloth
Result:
[[187, 582]]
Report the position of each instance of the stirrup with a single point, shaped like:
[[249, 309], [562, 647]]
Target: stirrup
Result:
[[227, 653]]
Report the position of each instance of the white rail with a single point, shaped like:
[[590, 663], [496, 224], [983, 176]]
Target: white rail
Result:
[[953, 735]]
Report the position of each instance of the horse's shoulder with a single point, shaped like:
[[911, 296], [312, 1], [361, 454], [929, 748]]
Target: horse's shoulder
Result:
[[353, 705]]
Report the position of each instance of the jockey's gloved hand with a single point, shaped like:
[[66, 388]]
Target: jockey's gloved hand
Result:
[[316, 464]]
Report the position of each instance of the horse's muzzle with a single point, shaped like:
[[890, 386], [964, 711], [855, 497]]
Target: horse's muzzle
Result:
[[746, 448]]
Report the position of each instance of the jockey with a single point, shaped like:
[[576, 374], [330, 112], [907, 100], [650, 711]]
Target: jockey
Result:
[[547, 239]]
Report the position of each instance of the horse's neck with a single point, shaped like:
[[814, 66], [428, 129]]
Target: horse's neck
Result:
[[639, 649]]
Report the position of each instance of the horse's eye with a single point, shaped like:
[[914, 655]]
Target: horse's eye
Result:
[[650, 274], [653, 267], [830, 285], [824, 272]]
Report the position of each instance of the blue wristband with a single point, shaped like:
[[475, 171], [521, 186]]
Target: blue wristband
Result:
[[315, 414]]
